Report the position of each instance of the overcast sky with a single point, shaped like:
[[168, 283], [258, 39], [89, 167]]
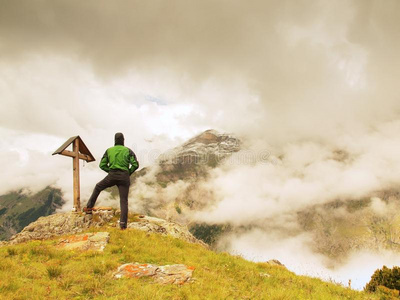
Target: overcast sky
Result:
[[162, 71]]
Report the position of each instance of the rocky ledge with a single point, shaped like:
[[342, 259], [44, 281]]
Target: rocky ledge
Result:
[[73, 223], [60, 224]]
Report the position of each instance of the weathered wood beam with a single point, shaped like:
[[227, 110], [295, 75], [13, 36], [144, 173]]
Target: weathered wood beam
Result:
[[75, 163], [73, 154]]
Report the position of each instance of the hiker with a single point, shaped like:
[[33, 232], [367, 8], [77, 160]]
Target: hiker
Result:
[[119, 162]]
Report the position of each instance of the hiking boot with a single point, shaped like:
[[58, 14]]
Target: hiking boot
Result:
[[87, 210], [122, 225]]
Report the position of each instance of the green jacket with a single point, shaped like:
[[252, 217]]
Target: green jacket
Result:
[[119, 158]]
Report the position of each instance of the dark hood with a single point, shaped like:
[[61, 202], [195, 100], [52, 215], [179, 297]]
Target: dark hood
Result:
[[119, 139]]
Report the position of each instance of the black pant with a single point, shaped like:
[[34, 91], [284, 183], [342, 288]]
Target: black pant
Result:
[[121, 179]]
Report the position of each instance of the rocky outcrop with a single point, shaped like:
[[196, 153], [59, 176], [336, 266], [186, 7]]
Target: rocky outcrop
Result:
[[72, 223], [275, 262], [60, 224], [160, 226], [169, 274]]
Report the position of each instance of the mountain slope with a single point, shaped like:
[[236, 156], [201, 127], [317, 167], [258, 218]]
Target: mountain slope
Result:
[[341, 227], [18, 209], [37, 270]]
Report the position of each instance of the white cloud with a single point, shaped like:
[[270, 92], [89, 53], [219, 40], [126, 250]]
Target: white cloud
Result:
[[294, 252]]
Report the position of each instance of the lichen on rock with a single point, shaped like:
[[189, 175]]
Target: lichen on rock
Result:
[[168, 274]]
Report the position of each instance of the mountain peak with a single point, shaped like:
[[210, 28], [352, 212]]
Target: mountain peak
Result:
[[206, 137], [211, 136], [209, 144], [180, 170]]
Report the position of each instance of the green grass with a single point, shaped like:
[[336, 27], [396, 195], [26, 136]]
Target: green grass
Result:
[[36, 270]]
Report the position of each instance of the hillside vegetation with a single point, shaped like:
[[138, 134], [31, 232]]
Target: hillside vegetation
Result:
[[18, 209], [37, 270], [341, 227]]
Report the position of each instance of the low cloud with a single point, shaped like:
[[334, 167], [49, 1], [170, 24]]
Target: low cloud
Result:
[[307, 173], [294, 252]]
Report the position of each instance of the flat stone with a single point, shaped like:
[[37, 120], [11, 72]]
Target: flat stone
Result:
[[95, 241], [81, 245], [135, 270], [174, 274], [99, 237], [169, 274]]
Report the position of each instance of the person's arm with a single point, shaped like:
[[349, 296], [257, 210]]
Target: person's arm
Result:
[[133, 162], [104, 163]]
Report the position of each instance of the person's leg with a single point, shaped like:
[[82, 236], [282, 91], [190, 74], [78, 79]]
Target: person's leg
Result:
[[123, 188], [100, 186]]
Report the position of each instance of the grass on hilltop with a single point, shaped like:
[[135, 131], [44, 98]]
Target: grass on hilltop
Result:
[[36, 270]]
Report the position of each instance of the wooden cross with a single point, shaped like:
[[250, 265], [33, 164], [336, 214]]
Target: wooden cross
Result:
[[79, 151]]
